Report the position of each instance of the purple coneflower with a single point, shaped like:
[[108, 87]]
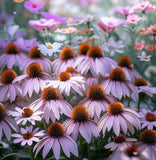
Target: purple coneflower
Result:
[[97, 101], [142, 86], [35, 55], [52, 105], [28, 136], [147, 142], [118, 116], [66, 59], [95, 63], [8, 88], [117, 84], [12, 57], [120, 143], [6, 123], [25, 115], [55, 139], [80, 123], [67, 83], [148, 118], [125, 63], [33, 80]]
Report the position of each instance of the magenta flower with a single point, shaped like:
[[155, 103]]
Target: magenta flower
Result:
[[133, 18], [33, 6], [109, 24], [26, 44], [55, 139], [119, 118], [57, 18], [43, 24], [5, 19], [143, 5], [6, 123], [97, 101], [80, 122], [28, 136]]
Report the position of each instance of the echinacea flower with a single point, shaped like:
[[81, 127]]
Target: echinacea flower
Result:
[[8, 88], [117, 115], [26, 44], [12, 57], [43, 24], [67, 83], [26, 114], [80, 122], [142, 86], [147, 118], [112, 47], [134, 153], [56, 138], [6, 123], [143, 57], [117, 84], [51, 104], [95, 62], [49, 48], [28, 136], [125, 63], [33, 6], [120, 143], [147, 142], [97, 101], [66, 59], [109, 24], [133, 18], [34, 80], [35, 55], [5, 19]]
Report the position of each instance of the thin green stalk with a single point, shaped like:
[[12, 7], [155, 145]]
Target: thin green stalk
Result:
[[44, 124], [75, 158], [88, 147], [139, 100], [81, 145], [30, 152]]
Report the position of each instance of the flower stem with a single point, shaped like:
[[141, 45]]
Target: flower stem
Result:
[[139, 100], [44, 124], [81, 146], [88, 146], [30, 152]]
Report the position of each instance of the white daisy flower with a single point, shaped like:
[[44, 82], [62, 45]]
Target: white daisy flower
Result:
[[49, 48], [143, 57]]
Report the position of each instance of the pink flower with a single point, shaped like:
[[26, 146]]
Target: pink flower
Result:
[[139, 46], [6, 123], [8, 88], [119, 118], [117, 84], [80, 122], [28, 136], [120, 143], [133, 18], [95, 62], [55, 139], [84, 3], [12, 57], [109, 24], [123, 10], [97, 101], [33, 6], [67, 30], [43, 24], [141, 6], [52, 105], [57, 18], [151, 7]]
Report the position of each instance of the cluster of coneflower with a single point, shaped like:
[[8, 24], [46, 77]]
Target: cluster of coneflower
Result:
[[76, 98]]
